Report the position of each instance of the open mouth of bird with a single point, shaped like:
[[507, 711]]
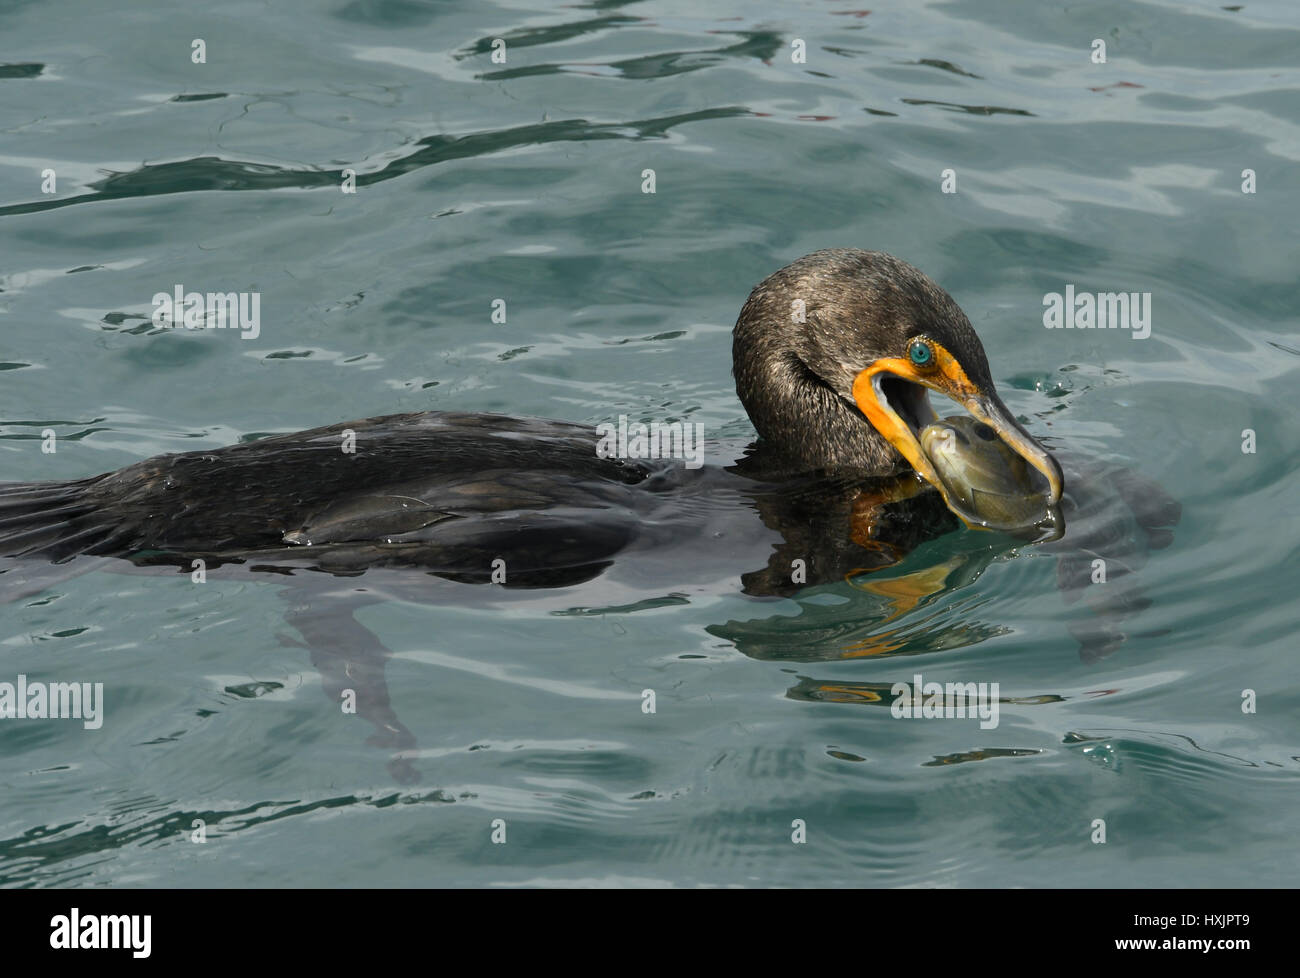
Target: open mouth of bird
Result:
[[988, 469]]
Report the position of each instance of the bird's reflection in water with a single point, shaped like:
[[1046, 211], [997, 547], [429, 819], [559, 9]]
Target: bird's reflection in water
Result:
[[892, 605], [1113, 519], [882, 694], [868, 615]]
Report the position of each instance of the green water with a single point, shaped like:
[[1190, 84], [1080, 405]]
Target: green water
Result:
[[523, 181]]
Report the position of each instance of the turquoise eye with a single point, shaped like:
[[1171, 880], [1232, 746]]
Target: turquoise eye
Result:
[[920, 353]]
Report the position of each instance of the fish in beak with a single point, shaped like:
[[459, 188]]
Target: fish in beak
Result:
[[892, 394]]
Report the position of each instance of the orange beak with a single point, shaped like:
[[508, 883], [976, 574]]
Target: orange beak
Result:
[[947, 377]]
